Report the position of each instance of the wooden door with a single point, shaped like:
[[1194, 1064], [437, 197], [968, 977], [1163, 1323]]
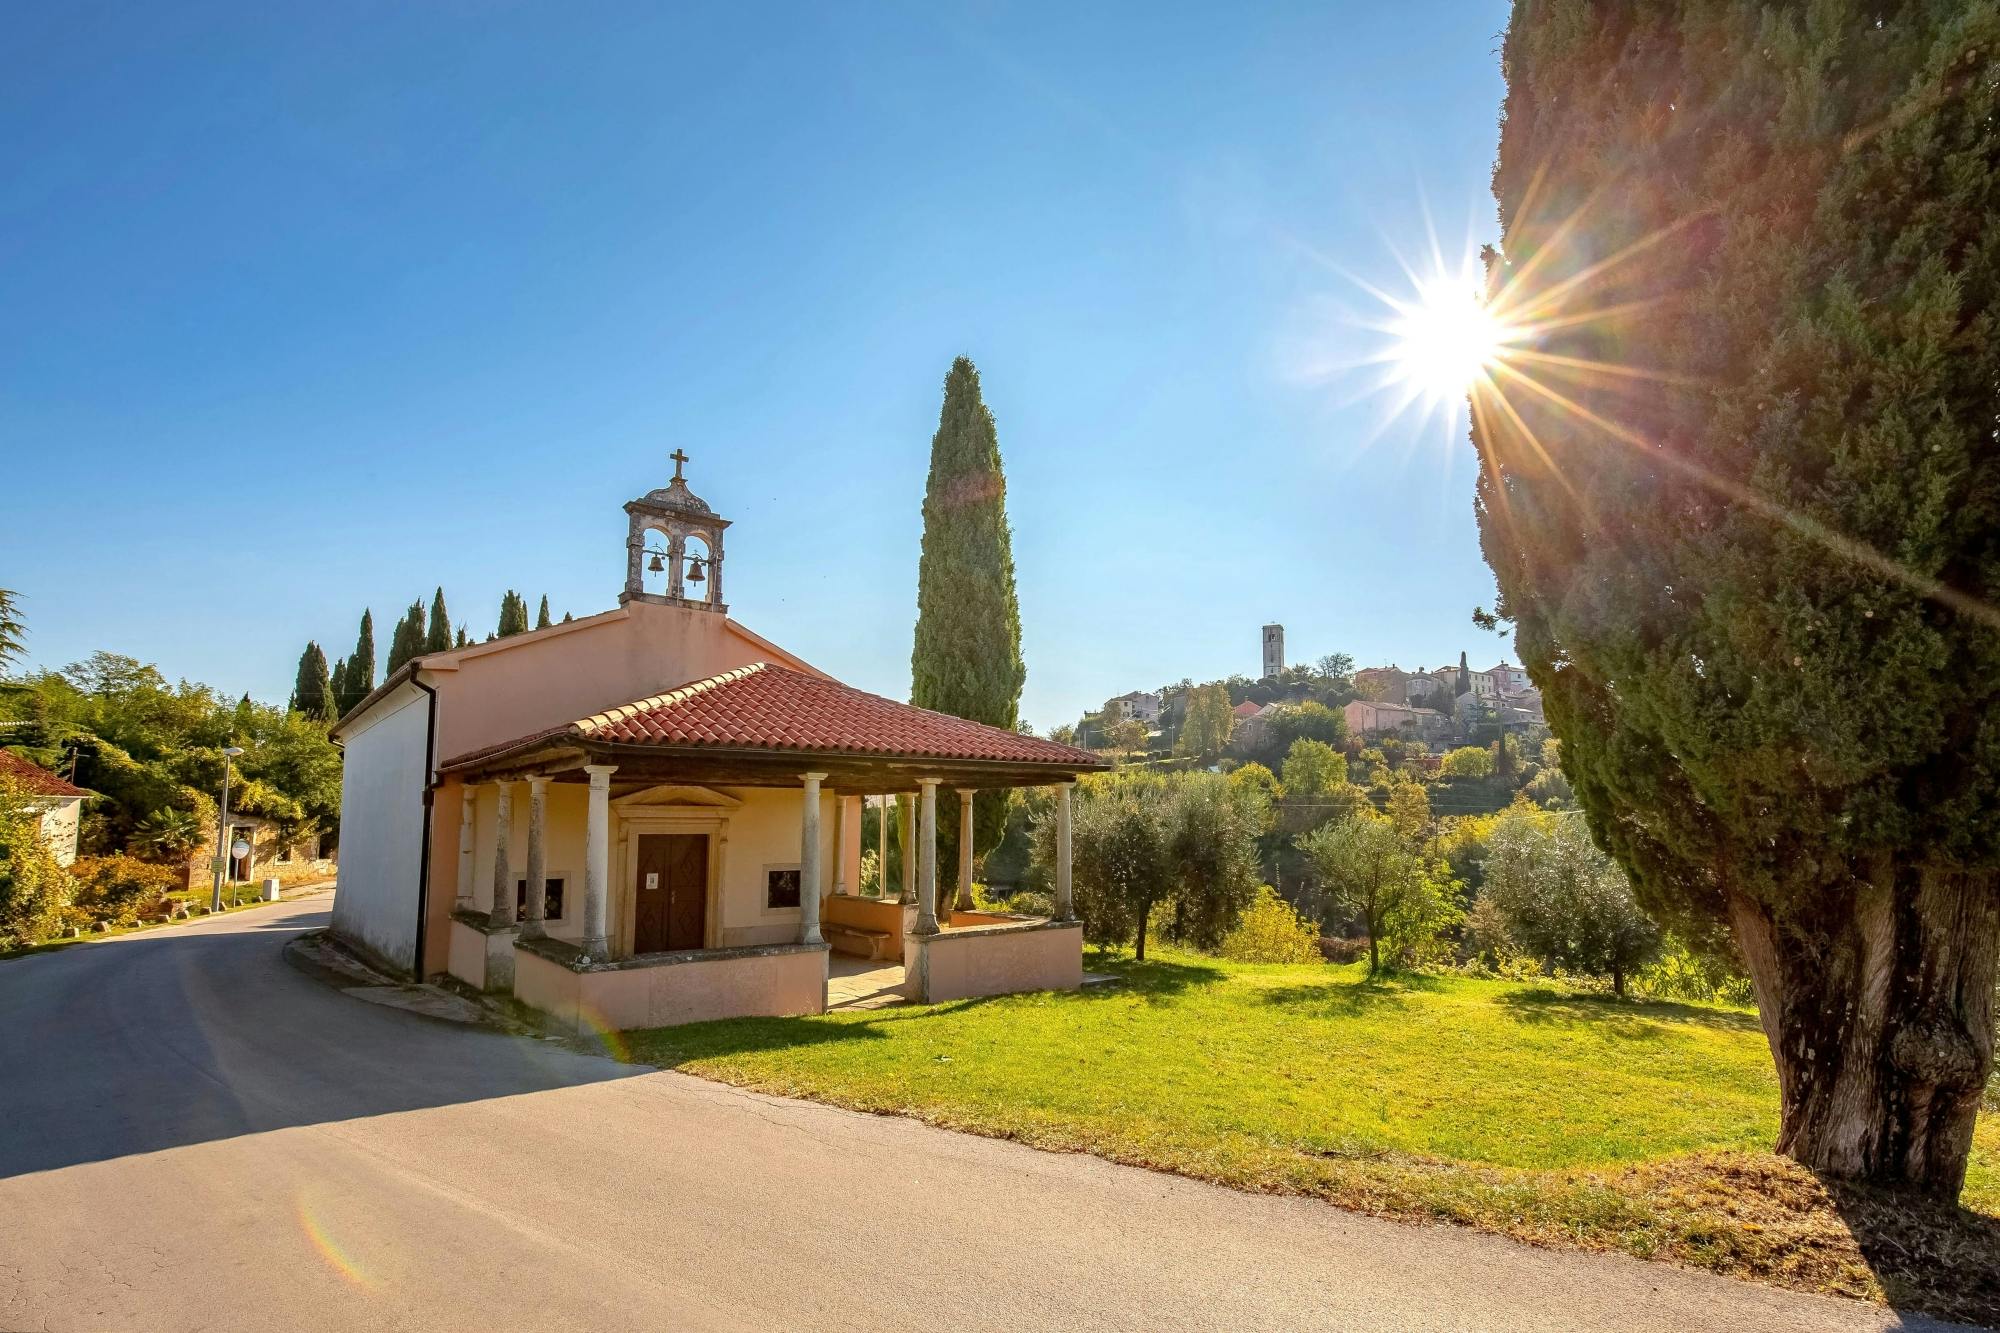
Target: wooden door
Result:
[[671, 897]]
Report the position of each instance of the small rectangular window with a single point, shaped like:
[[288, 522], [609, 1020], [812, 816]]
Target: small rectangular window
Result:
[[552, 900], [781, 888]]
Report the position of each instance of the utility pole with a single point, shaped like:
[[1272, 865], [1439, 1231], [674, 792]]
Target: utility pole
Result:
[[229, 755]]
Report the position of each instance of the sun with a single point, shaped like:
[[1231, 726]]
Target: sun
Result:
[[1445, 338]]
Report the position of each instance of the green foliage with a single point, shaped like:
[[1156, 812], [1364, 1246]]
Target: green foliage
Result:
[[1681, 974], [168, 833], [35, 892], [542, 620], [1468, 761], [1181, 847], [356, 680], [513, 614], [153, 752], [1564, 900], [312, 690], [966, 655], [438, 639], [1270, 931], [1408, 809], [1259, 777], [407, 643], [1757, 585], [1369, 870], [1313, 768], [119, 889], [1206, 729], [13, 629]]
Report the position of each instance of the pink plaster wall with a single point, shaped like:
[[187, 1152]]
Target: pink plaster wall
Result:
[[685, 992], [1038, 957], [494, 692], [467, 953]]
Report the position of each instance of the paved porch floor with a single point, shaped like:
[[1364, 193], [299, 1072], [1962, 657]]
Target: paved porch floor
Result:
[[861, 983]]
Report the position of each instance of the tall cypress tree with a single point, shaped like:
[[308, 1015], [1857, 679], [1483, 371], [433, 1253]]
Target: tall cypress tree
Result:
[[1753, 561], [361, 666], [513, 614], [439, 638], [967, 656], [408, 640], [542, 621], [463, 638], [312, 691], [1464, 677], [337, 683]]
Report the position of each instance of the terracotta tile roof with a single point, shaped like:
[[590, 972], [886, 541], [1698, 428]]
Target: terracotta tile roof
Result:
[[36, 778], [1246, 709], [771, 707]]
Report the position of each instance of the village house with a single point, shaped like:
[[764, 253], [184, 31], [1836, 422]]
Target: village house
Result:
[[58, 804], [1371, 717], [652, 815], [1139, 706]]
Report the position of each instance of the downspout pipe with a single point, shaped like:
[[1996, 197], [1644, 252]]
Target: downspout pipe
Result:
[[430, 803]]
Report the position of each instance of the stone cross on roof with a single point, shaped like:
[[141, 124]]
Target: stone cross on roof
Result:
[[680, 459]]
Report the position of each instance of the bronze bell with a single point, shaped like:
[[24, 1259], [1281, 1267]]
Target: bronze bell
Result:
[[658, 566], [694, 574]]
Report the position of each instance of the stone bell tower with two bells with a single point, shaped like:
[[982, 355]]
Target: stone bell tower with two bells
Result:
[[673, 549]]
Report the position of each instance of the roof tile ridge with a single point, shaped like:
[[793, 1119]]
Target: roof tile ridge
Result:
[[597, 722]]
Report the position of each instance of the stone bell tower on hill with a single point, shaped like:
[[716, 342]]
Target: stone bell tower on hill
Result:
[[1274, 650], [673, 547]]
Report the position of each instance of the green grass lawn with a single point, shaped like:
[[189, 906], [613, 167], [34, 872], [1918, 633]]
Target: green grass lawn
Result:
[[1526, 1110]]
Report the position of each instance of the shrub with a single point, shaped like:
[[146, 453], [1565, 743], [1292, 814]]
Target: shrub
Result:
[[1469, 761], [1269, 931], [120, 889]]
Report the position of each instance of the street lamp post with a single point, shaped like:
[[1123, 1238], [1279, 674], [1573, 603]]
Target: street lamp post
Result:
[[229, 755]]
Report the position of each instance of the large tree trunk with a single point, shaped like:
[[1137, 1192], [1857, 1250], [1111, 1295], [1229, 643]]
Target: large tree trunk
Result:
[[1877, 1000]]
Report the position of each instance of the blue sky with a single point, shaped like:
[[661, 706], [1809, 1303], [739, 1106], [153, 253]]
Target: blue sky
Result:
[[311, 308]]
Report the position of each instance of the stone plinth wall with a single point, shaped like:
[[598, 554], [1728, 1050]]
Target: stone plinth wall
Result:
[[994, 960]]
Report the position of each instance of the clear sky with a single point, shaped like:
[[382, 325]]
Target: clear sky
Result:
[[306, 308]]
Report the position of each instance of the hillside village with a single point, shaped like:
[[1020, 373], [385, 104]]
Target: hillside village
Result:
[[1424, 714]]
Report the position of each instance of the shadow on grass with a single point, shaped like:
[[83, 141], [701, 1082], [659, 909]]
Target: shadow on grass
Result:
[[1931, 1258], [1346, 997], [1642, 1020], [1156, 978]]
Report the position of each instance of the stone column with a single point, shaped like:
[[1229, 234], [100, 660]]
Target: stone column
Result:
[[500, 912], [1065, 902], [597, 862], [839, 845], [927, 922], [468, 840], [676, 551], [809, 867], [963, 903], [538, 866], [906, 824]]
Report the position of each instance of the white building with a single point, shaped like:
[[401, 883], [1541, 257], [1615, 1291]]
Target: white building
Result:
[[60, 803]]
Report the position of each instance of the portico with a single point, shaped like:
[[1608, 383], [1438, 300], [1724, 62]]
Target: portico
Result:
[[716, 829]]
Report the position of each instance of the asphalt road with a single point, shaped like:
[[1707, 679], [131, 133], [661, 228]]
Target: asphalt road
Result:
[[195, 1135]]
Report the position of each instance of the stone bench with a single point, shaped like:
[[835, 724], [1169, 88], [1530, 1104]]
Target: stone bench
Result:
[[857, 940]]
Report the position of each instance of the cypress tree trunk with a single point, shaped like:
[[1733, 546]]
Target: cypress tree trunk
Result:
[[1139, 942], [1879, 1012]]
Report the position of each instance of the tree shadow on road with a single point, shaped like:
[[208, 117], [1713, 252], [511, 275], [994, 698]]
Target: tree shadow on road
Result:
[[159, 1041]]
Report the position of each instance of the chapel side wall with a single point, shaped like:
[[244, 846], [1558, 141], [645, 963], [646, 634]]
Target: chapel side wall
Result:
[[382, 781]]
